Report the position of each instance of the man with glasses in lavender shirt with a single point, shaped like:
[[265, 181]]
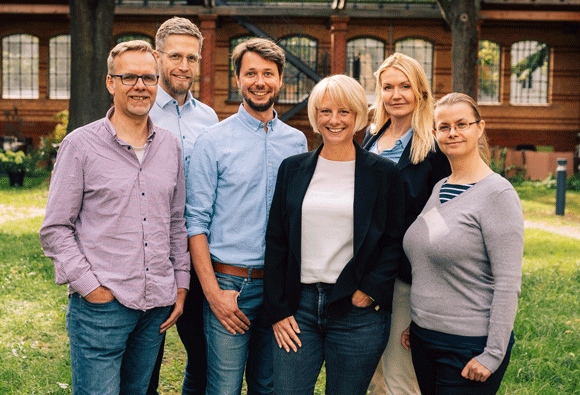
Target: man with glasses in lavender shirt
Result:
[[115, 231]]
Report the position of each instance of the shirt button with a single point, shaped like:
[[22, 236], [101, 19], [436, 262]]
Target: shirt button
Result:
[[144, 219], [142, 193], [269, 164], [129, 148], [145, 244]]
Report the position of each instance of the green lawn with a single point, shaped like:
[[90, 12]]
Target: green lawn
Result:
[[34, 345]]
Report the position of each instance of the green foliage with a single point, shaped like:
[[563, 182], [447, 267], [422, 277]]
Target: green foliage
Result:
[[17, 161], [488, 57], [49, 144]]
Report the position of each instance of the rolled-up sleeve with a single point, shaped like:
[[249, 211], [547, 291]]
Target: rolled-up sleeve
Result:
[[202, 186], [57, 234]]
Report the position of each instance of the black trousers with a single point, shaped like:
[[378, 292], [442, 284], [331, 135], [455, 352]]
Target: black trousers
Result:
[[190, 330], [439, 358]]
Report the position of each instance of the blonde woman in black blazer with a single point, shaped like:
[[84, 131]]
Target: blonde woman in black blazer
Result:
[[404, 115], [333, 249]]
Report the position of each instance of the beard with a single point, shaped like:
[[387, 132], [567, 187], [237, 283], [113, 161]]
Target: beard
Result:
[[175, 89], [261, 107]]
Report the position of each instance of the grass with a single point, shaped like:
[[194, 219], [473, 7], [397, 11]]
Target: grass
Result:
[[34, 345]]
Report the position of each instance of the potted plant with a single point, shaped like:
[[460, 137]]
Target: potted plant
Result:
[[15, 164]]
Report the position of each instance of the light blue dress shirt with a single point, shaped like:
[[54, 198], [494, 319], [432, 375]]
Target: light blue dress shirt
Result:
[[232, 176], [394, 153], [186, 122]]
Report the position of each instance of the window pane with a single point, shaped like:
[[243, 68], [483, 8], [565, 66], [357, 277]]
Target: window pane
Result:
[[59, 67], [20, 67], [297, 85], [529, 73], [489, 72], [421, 51], [364, 56]]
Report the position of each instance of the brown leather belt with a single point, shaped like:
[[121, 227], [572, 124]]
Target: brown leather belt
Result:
[[224, 268]]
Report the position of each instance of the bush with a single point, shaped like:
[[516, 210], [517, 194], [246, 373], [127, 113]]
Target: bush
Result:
[[49, 144]]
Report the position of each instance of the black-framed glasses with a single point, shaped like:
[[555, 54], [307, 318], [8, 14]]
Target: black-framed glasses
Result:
[[177, 58], [461, 126], [131, 79]]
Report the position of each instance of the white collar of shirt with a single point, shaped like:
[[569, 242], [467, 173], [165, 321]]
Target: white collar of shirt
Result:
[[254, 123], [164, 98]]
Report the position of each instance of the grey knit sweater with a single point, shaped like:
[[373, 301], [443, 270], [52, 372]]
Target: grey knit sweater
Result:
[[466, 258]]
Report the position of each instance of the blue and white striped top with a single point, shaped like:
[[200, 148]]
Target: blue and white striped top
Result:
[[449, 191]]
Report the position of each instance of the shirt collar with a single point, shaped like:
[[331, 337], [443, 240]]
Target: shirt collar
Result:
[[254, 123], [406, 137], [111, 129], [164, 98]]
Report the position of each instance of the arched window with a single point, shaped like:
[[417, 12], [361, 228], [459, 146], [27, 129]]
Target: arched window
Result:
[[297, 85], [59, 67], [489, 63], [233, 92], [364, 56], [529, 73], [421, 51], [133, 36], [20, 67]]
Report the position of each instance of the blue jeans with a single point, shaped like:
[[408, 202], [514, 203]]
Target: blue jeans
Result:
[[228, 355], [351, 345], [113, 348]]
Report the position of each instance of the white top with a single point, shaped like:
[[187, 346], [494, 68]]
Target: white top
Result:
[[139, 151], [327, 222]]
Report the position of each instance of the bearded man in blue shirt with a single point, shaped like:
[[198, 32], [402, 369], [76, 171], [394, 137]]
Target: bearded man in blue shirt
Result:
[[232, 175], [178, 52]]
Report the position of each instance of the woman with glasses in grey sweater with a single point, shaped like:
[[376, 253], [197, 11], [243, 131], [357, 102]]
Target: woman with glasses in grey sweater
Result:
[[465, 250]]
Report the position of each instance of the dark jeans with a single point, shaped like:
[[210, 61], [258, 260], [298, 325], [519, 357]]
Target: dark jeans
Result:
[[439, 358], [190, 329], [351, 345]]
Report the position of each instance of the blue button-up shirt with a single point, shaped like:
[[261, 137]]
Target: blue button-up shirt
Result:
[[231, 182], [186, 122], [394, 153]]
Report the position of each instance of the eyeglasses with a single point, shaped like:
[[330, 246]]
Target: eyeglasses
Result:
[[461, 126], [177, 58], [131, 79]]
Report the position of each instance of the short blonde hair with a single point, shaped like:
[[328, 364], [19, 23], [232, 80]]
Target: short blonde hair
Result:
[[345, 91], [135, 45], [457, 98], [176, 25], [423, 141]]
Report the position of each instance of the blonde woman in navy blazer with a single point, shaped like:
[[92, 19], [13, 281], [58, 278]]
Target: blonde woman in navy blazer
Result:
[[336, 307], [401, 131]]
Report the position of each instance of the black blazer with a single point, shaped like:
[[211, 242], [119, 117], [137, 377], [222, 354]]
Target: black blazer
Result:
[[419, 181], [378, 232]]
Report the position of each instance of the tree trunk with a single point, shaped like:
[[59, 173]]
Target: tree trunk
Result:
[[91, 36], [461, 15]]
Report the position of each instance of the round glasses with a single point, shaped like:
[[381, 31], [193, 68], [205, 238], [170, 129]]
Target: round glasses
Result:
[[131, 79], [177, 58], [461, 126]]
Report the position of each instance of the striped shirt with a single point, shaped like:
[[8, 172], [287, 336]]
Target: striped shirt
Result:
[[449, 191]]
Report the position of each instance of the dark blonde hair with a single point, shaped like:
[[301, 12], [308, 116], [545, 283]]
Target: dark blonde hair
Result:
[[267, 49], [135, 45], [423, 141], [345, 91], [176, 25], [457, 98]]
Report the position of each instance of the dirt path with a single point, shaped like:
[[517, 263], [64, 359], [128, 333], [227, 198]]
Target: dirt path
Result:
[[568, 231], [10, 213]]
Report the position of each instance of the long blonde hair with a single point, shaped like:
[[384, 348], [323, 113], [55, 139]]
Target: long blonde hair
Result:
[[422, 121]]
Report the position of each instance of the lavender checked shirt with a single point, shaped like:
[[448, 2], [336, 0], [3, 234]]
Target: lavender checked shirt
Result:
[[113, 221]]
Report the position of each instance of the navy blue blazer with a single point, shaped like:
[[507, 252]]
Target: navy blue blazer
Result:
[[419, 181], [377, 240]]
